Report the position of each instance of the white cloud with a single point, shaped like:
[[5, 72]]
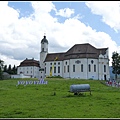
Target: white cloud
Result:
[[9, 60], [8, 15], [66, 12], [74, 32], [20, 37], [109, 10], [43, 6]]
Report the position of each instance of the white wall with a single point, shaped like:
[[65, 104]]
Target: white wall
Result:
[[99, 74], [48, 65], [32, 71], [20, 76]]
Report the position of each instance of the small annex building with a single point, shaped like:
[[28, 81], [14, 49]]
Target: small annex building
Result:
[[29, 68]]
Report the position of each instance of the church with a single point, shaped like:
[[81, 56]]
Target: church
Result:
[[82, 61]]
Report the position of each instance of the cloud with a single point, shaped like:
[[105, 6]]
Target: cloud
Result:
[[66, 12], [8, 15], [8, 60], [109, 10], [20, 37], [75, 32], [43, 6]]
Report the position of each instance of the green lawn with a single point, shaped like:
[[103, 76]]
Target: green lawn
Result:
[[39, 101]]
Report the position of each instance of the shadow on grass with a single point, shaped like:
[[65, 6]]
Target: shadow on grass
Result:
[[76, 95]]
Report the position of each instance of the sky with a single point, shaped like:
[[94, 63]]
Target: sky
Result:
[[65, 23]]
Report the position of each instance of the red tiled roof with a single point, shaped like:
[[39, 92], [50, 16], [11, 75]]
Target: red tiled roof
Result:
[[29, 62], [77, 51]]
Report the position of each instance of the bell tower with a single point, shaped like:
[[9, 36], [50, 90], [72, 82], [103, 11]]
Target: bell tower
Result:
[[43, 54]]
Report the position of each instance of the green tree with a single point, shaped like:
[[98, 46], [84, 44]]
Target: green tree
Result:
[[14, 69], [5, 68], [116, 64], [1, 68], [9, 69]]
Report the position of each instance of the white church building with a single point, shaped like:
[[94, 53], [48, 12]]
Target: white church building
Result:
[[82, 61]]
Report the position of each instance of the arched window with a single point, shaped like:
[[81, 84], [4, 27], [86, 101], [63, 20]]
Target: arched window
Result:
[[54, 69], [81, 67], [104, 68], [58, 69], [94, 68], [73, 68], [68, 68], [89, 67]]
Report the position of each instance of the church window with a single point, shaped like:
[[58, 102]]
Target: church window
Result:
[[104, 68], [81, 67], [78, 62], [54, 63], [58, 63], [68, 68], [89, 68], [54, 69], [58, 69], [73, 68], [94, 68], [92, 61]]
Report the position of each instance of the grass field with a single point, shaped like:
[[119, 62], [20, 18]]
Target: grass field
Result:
[[53, 100]]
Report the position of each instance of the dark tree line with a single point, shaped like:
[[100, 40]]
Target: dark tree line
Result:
[[9, 69], [4, 68], [116, 64]]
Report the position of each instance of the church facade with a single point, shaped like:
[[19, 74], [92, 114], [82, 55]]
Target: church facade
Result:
[[82, 61]]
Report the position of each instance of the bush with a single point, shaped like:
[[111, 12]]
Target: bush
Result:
[[54, 76]]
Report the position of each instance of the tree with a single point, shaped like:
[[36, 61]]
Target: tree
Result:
[[14, 69], [116, 64], [9, 69], [1, 68], [5, 68]]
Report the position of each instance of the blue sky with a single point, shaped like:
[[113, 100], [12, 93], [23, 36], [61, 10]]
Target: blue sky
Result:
[[23, 24]]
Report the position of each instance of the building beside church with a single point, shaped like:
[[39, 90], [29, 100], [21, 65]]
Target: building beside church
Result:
[[82, 61], [29, 68]]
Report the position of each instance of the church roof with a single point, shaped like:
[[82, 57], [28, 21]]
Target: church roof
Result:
[[77, 51], [52, 56], [29, 62]]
